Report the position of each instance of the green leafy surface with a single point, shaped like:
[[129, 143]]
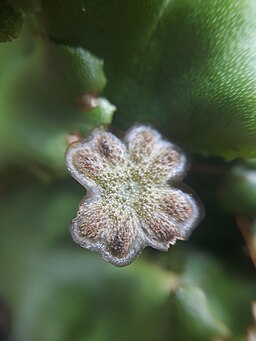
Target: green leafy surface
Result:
[[189, 69]]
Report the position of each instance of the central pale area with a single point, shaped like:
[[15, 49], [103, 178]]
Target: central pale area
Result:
[[126, 189]]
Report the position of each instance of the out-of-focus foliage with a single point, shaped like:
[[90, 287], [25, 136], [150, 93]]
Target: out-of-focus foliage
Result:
[[60, 292], [239, 189], [11, 21], [45, 93], [186, 66]]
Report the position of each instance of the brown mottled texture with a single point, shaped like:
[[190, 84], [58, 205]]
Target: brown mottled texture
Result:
[[161, 228], [163, 163], [141, 143], [176, 205], [121, 239], [130, 203], [87, 163], [92, 221], [109, 147]]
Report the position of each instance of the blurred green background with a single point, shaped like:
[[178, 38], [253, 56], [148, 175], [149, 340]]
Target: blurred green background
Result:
[[188, 68]]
